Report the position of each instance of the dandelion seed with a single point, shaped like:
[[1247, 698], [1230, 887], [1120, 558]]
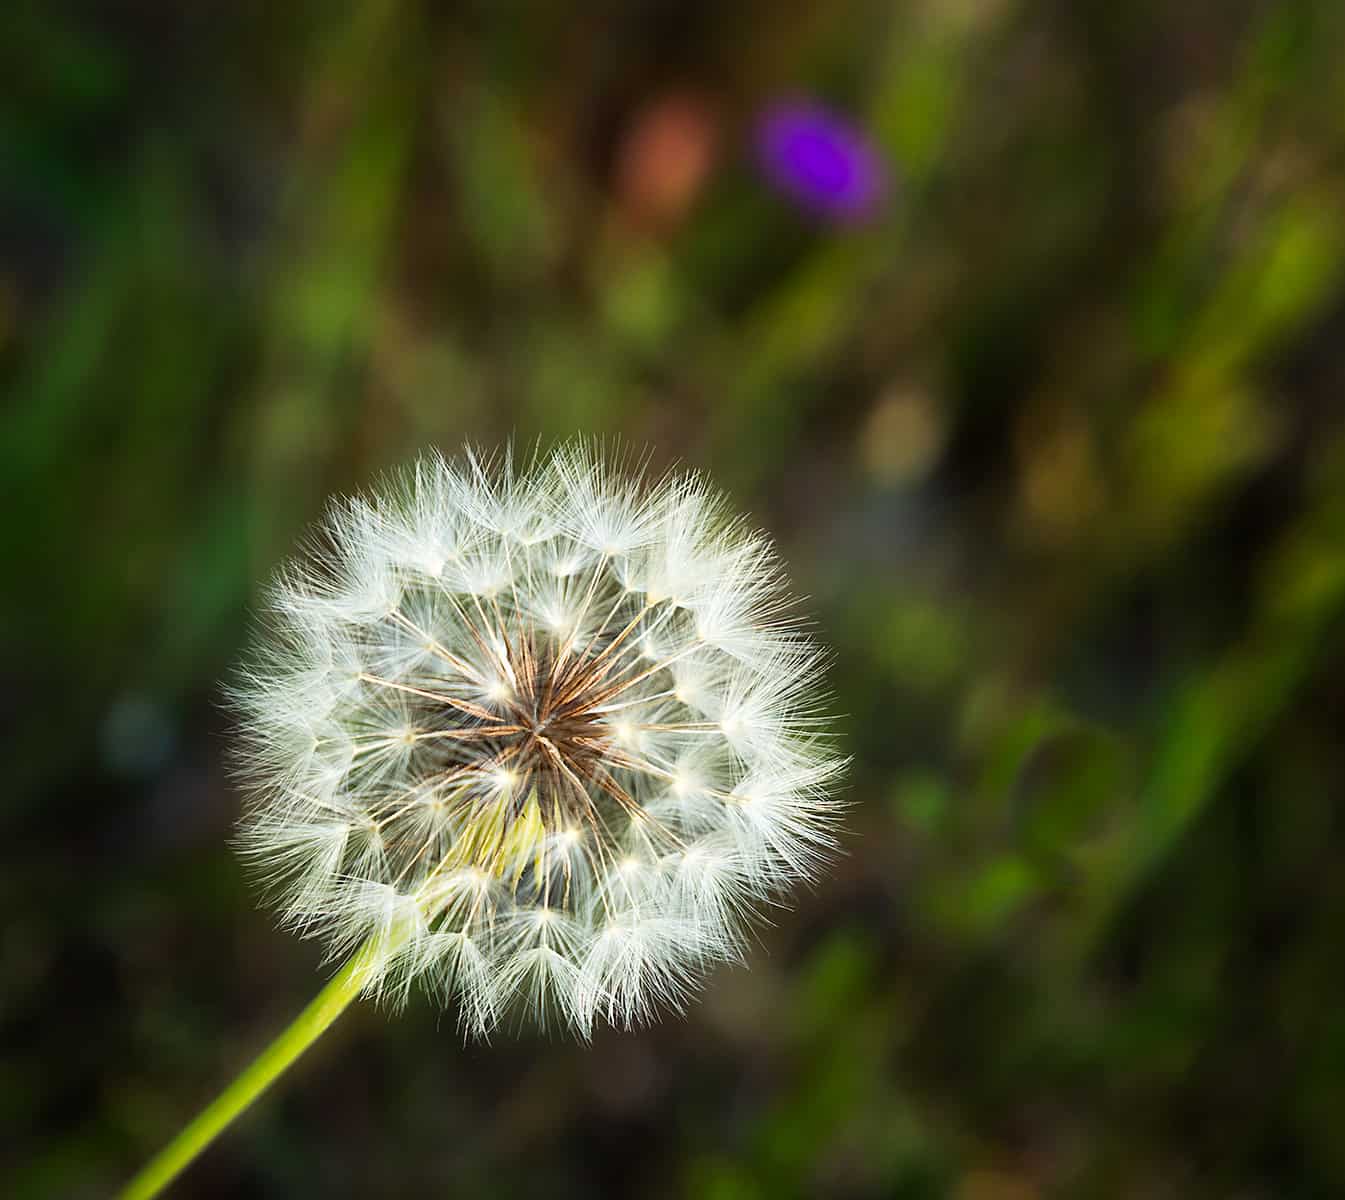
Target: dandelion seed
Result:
[[594, 770]]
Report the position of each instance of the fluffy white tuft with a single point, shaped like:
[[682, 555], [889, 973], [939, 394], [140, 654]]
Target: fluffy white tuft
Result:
[[542, 737]]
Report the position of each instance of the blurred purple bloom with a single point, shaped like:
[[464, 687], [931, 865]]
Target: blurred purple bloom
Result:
[[820, 159]]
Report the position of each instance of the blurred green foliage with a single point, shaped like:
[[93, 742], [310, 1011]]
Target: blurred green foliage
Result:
[[1056, 445]]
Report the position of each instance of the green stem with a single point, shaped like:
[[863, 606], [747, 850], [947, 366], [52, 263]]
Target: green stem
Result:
[[329, 1004]]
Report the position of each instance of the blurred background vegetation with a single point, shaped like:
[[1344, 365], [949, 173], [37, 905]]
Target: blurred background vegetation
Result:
[[1055, 442]]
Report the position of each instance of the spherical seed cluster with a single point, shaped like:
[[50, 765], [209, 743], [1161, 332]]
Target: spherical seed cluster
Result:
[[543, 737]]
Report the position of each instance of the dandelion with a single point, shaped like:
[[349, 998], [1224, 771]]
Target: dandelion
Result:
[[539, 738]]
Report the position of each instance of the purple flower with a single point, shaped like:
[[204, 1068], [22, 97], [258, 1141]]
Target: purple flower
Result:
[[820, 160]]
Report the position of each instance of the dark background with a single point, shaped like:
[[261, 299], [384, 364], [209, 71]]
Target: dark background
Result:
[[1055, 442]]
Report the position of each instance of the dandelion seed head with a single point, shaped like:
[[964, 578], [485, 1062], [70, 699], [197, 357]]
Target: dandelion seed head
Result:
[[541, 737]]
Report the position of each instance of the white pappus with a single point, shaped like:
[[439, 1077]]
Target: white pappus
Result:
[[543, 736]]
